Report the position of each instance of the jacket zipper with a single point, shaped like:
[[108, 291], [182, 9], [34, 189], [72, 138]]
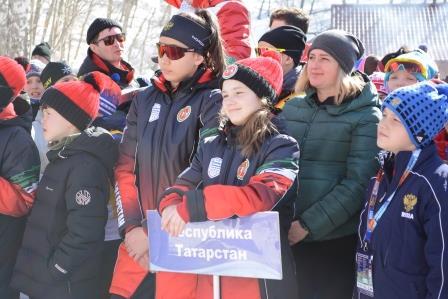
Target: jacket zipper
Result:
[[226, 174], [159, 143], [308, 128]]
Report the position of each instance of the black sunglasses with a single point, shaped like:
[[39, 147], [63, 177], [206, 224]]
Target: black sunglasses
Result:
[[110, 40]]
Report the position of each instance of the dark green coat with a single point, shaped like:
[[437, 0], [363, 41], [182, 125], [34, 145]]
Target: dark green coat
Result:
[[337, 158]]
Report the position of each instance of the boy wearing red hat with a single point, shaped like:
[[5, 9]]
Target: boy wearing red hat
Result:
[[61, 252], [19, 171]]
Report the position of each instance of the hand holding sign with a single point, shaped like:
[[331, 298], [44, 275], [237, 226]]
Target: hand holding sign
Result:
[[171, 221]]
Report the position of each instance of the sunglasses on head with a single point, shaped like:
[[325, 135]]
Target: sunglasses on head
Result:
[[110, 40], [171, 51]]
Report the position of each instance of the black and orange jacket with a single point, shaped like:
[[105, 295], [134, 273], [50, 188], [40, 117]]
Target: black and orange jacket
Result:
[[123, 77], [220, 183], [160, 139], [19, 175]]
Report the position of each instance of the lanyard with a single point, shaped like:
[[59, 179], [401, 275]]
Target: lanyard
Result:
[[373, 218]]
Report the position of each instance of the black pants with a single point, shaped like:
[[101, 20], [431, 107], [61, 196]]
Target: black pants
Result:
[[146, 290], [107, 268], [326, 270]]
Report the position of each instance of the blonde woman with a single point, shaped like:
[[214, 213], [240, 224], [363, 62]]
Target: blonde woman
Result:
[[335, 124]]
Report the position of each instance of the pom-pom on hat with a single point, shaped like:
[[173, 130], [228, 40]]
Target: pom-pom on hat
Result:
[[77, 101], [422, 109], [12, 80], [263, 75]]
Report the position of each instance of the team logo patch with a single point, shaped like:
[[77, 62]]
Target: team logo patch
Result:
[[230, 71], [183, 113], [409, 201], [168, 26], [214, 168], [155, 112], [242, 169], [83, 197], [395, 102]]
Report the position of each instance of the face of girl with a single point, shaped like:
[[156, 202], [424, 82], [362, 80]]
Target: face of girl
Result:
[[239, 101], [55, 126], [400, 79], [392, 135], [181, 69], [322, 70], [34, 87]]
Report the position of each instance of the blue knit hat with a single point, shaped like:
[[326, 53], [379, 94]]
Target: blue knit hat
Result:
[[422, 109]]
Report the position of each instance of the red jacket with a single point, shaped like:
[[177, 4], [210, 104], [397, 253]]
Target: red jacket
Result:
[[234, 23], [441, 141]]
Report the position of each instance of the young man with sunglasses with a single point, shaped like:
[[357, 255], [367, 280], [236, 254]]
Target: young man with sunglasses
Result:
[[290, 42], [105, 54]]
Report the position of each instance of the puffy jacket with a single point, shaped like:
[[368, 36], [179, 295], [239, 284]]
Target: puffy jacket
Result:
[[234, 24], [338, 149], [232, 185], [159, 141], [289, 82], [410, 256], [19, 175], [61, 250]]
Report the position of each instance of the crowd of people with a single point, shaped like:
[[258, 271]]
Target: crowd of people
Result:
[[350, 149]]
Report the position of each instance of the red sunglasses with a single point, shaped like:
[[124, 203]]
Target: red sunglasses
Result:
[[110, 40], [171, 51]]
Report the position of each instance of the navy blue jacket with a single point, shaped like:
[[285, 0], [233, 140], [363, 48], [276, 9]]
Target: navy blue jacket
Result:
[[410, 254]]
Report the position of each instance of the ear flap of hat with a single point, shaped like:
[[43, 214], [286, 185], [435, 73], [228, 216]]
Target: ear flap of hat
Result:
[[6, 96]]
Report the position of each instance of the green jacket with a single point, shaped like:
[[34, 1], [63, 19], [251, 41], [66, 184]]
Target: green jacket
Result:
[[337, 158]]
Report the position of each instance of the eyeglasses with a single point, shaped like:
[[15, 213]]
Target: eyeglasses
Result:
[[404, 66], [110, 40], [171, 51]]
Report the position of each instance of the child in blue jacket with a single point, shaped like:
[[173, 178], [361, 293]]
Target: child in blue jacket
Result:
[[401, 249]]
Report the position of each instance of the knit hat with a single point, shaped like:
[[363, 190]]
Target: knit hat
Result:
[[263, 75], [287, 37], [42, 49], [427, 68], [36, 67], [54, 71], [77, 101], [422, 109], [98, 25], [344, 47], [12, 80], [377, 79]]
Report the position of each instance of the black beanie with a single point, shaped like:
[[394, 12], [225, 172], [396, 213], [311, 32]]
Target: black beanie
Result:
[[42, 49], [99, 25], [344, 47], [287, 37], [53, 72]]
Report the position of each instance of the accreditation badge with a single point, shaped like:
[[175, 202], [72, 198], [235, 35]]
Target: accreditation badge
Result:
[[364, 273]]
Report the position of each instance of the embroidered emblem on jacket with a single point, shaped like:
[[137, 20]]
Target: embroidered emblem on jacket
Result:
[[83, 197], [183, 113], [409, 201], [230, 71], [242, 169], [214, 168], [155, 112]]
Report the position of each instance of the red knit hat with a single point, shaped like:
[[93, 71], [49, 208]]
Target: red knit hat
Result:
[[264, 75], [77, 101], [12, 80]]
